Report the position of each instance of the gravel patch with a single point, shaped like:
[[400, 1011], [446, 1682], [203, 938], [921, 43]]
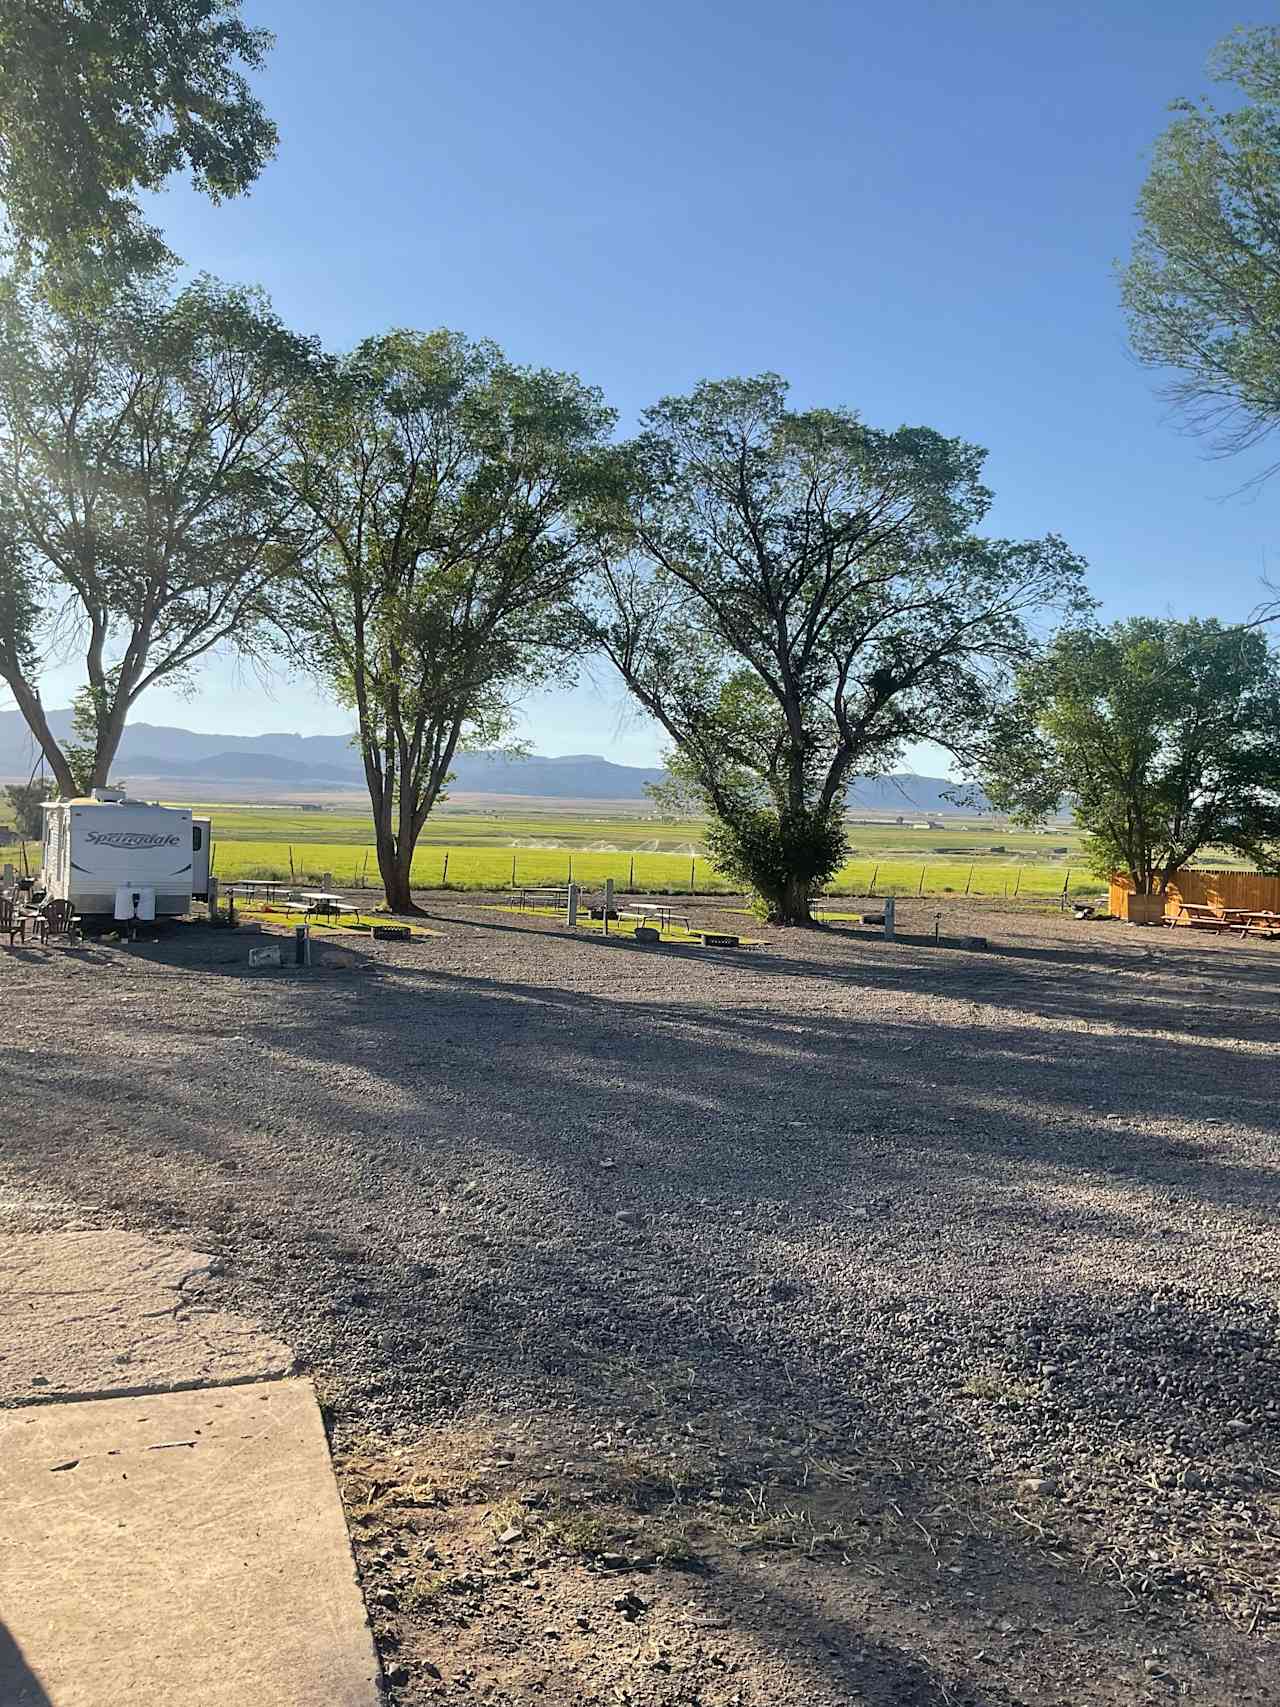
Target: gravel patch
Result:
[[866, 1298]]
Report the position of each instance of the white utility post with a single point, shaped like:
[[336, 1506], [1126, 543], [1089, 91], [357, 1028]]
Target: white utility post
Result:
[[571, 906], [608, 902], [888, 917]]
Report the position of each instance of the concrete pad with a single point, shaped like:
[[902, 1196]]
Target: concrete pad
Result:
[[178, 1550], [97, 1313]]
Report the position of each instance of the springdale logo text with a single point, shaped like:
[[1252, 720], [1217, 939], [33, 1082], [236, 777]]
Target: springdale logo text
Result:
[[130, 839]]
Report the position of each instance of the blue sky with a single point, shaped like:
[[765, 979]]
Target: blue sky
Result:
[[910, 209]]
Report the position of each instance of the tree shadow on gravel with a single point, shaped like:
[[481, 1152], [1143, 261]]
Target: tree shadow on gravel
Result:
[[454, 1191]]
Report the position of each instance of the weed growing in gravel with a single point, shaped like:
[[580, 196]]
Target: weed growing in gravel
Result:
[[424, 1589], [577, 1532], [995, 1384]]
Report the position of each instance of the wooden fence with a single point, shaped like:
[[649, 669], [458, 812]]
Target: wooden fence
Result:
[[1208, 888]]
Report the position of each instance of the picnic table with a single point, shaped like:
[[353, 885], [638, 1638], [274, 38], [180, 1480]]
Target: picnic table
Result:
[[548, 895], [1252, 921], [1196, 915], [324, 904], [648, 911], [250, 886]]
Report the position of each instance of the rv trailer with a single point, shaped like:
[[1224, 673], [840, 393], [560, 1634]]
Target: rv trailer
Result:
[[126, 859]]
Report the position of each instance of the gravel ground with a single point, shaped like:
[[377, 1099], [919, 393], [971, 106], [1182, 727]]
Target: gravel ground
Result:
[[825, 1321]]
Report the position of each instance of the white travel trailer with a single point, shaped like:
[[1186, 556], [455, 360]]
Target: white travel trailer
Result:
[[124, 859]]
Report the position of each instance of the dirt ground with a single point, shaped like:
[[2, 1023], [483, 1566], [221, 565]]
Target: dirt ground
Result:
[[819, 1322]]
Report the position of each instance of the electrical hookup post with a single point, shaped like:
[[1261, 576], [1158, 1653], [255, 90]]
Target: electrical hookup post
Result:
[[571, 905], [888, 918]]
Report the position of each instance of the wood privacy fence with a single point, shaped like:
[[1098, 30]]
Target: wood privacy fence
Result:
[[1209, 889]]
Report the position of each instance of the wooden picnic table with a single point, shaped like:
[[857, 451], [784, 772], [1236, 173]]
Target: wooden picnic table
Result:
[[1199, 916], [1252, 921]]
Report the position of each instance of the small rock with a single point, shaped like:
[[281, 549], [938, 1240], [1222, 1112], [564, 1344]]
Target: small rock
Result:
[[614, 1561], [862, 1213], [551, 1631], [1153, 1668], [1192, 1479], [582, 1621], [1238, 1425], [1040, 1487], [627, 1218], [386, 1597], [398, 1674], [431, 1670], [510, 1535]]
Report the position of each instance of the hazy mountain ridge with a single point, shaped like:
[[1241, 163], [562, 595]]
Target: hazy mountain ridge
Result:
[[157, 752]]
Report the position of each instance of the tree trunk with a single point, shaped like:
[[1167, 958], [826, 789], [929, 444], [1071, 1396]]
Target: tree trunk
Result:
[[790, 906], [109, 733], [395, 864], [33, 712]]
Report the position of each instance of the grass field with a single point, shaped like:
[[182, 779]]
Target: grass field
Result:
[[473, 851], [468, 850]]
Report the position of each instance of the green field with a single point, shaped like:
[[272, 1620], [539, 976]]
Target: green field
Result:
[[467, 850]]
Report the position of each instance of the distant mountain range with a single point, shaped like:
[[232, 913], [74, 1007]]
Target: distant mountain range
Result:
[[154, 753]]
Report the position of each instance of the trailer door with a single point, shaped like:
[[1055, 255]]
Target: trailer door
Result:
[[201, 853]]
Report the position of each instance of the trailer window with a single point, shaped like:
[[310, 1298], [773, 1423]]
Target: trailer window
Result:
[[197, 838]]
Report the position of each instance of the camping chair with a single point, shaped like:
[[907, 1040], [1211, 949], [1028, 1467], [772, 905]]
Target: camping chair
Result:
[[56, 918], [13, 921]]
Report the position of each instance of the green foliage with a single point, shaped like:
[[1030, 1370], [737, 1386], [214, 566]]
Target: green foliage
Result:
[[101, 99], [785, 859], [25, 800], [793, 596], [1202, 288], [439, 479], [140, 486], [1165, 734]]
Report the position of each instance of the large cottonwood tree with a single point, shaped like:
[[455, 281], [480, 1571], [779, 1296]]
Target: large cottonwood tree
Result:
[[101, 99], [439, 479], [793, 595], [1164, 736], [143, 508], [1202, 287]]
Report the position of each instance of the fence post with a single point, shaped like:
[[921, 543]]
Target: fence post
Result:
[[1066, 884], [1018, 884], [292, 875], [923, 869], [693, 882], [631, 879], [570, 879], [513, 871], [444, 871]]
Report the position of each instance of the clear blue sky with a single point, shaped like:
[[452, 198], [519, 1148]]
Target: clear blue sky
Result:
[[911, 209]]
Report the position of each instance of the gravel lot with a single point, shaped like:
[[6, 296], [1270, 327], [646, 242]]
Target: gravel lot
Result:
[[826, 1321]]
